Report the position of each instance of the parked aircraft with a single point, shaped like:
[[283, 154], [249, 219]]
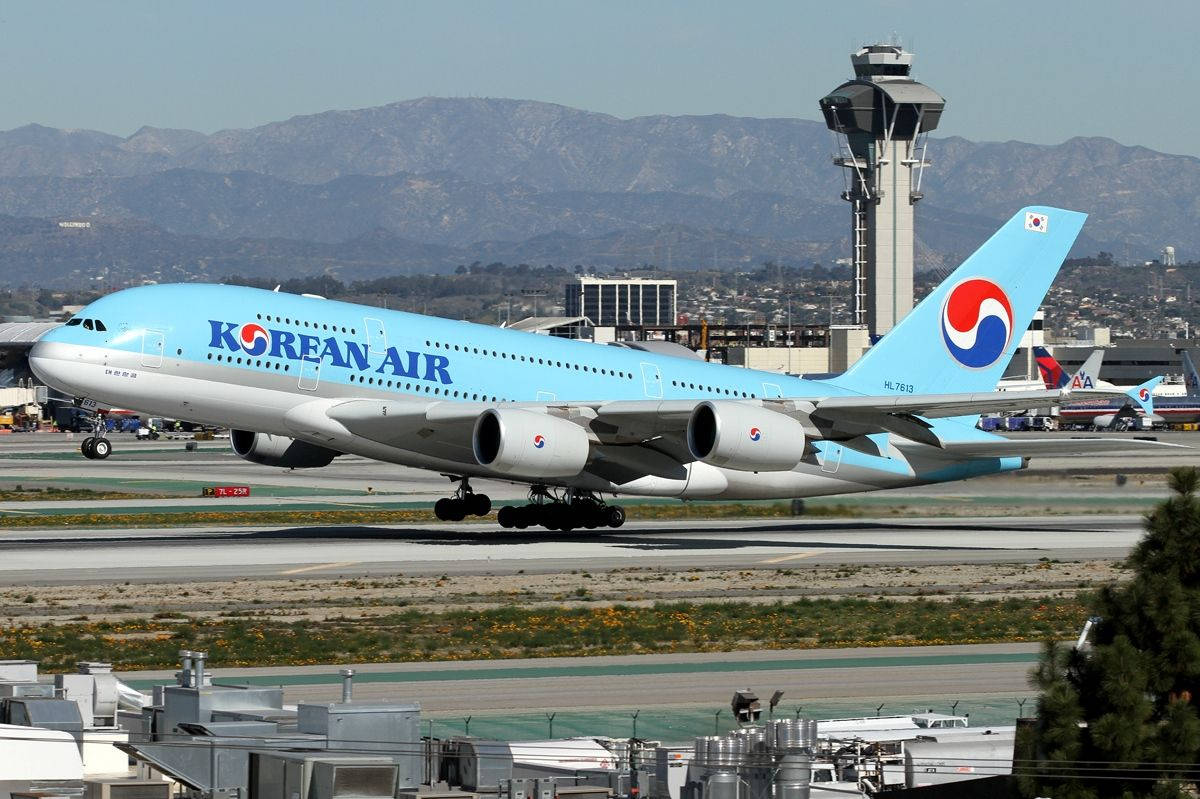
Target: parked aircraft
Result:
[[301, 380], [1054, 376], [1160, 410]]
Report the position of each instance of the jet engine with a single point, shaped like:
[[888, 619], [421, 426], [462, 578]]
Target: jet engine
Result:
[[281, 451], [528, 444], [744, 437]]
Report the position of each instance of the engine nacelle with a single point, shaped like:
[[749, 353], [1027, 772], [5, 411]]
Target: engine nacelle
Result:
[[748, 438], [281, 451], [528, 444]]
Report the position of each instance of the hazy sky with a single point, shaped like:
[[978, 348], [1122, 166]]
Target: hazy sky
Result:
[[1039, 71]]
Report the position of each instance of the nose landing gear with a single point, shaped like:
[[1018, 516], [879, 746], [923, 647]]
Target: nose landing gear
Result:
[[97, 447], [463, 503], [567, 511]]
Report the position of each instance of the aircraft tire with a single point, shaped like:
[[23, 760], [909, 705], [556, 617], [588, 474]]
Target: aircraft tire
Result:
[[615, 516], [522, 517], [86, 448], [587, 515], [101, 448], [456, 510], [558, 517], [439, 509], [479, 504], [505, 516]]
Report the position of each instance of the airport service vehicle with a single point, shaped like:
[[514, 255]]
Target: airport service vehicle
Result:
[[300, 380]]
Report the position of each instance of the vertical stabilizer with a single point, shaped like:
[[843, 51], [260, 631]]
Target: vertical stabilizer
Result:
[[963, 335], [1088, 375], [1191, 380], [1052, 373]]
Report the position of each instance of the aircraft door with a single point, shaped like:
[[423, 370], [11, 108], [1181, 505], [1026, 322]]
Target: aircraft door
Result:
[[652, 381], [376, 336], [310, 373], [153, 345], [772, 390], [831, 457]]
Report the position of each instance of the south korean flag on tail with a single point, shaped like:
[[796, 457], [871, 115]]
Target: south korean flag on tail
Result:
[[1038, 223]]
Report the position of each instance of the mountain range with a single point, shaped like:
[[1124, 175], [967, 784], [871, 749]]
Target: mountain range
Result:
[[426, 184]]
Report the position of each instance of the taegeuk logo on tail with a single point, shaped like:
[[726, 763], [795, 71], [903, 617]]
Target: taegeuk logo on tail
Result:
[[977, 321]]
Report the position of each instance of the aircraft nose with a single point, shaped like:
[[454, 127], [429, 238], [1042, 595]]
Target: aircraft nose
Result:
[[50, 365]]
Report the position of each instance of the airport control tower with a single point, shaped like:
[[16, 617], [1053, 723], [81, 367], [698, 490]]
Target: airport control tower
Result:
[[881, 119]]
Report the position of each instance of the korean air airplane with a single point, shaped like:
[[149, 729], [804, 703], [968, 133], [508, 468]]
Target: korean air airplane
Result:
[[300, 380]]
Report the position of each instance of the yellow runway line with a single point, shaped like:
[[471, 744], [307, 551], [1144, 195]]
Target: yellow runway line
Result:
[[786, 558], [320, 566]]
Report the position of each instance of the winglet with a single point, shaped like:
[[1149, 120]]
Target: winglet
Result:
[[1143, 395]]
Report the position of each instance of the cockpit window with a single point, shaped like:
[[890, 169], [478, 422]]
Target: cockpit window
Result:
[[74, 321], [87, 324], [100, 326]]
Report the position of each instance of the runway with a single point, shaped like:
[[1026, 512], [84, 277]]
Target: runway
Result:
[[168, 554], [1097, 518]]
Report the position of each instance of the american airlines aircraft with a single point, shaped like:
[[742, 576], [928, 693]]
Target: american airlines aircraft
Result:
[[300, 380]]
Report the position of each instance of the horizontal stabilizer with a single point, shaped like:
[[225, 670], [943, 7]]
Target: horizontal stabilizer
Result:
[[935, 406], [1028, 447]]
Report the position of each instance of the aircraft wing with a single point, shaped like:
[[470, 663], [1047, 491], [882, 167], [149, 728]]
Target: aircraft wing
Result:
[[657, 428], [435, 428], [443, 429]]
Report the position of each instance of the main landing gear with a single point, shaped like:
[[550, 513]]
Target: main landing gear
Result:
[[462, 504], [565, 512]]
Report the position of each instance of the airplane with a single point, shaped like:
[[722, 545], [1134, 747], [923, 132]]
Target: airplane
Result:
[[300, 380], [1054, 376], [1174, 409], [1186, 408]]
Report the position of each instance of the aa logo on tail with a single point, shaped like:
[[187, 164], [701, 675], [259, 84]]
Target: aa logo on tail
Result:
[[977, 322]]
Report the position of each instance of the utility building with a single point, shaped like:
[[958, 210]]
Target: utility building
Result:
[[882, 119]]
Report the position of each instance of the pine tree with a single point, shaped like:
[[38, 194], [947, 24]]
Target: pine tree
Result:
[[1120, 719]]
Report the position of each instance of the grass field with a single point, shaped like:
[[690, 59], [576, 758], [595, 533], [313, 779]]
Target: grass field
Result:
[[54, 494], [242, 639]]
